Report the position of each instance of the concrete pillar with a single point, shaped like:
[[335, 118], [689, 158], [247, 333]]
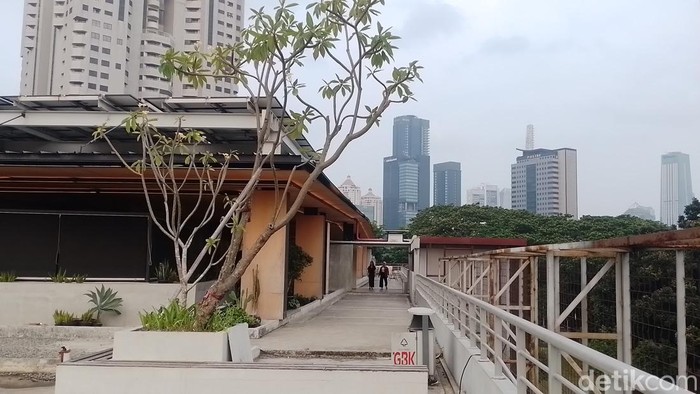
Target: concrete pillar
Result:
[[271, 262], [311, 237]]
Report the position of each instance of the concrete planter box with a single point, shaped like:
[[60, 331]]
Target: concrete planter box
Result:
[[171, 346]]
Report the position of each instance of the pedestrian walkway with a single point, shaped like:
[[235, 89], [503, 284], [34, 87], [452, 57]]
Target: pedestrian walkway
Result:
[[361, 322]]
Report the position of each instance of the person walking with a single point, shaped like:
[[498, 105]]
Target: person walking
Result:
[[384, 276], [371, 270]]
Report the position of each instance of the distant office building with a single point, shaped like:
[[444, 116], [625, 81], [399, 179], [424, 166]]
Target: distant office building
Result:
[[504, 198], [483, 195], [407, 172], [447, 184], [676, 186], [89, 47], [351, 190], [544, 181], [641, 212], [371, 205]]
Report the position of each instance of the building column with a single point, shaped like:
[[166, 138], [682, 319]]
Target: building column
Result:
[[269, 267], [311, 237]]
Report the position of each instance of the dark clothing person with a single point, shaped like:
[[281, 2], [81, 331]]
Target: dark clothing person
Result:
[[383, 276], [371, 270]]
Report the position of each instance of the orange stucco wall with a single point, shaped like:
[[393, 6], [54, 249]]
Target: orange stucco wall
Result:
[[270, 261], [310, 231]]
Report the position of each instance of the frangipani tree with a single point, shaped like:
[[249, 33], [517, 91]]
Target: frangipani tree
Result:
[[341, 35]]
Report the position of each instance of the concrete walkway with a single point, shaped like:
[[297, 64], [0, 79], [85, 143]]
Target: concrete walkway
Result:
[[361, 322]]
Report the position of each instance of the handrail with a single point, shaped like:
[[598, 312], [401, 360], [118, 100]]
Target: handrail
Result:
[[464, 311]]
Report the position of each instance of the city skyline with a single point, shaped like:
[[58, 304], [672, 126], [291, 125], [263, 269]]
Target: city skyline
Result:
[[447, 183], [571, 70]]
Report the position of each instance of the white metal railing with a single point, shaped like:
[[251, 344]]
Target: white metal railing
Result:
[[533, 358]]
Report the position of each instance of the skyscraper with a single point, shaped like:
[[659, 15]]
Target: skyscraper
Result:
[[407, 172], [371, 203], [447, 184], [504, 198], [676, 186], [483, 195], [544, 181], [351, 190], [115, 46]]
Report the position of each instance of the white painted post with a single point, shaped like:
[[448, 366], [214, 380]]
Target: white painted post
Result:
[[618, 307], [472, 324], [626, 310], [521, 361], [551, 288], [680, 314], [557, 293], [497, 347], [483, 322], [584, 307], [554, 364]]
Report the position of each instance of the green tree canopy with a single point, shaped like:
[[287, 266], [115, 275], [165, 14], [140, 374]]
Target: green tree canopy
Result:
[[478, 221]]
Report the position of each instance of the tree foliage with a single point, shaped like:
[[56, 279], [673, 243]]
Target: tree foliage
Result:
[[356, 83], [478, 221]]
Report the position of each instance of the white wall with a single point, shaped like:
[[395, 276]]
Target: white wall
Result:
[[477, 377], [35, 302], [134, 377]]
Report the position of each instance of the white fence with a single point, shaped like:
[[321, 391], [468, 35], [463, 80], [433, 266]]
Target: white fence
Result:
[[535, 359]]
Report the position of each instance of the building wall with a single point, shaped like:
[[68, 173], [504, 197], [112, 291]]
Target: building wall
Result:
[[270, 263], [341, 267], [311, 237], [35, 302], [82, 46]]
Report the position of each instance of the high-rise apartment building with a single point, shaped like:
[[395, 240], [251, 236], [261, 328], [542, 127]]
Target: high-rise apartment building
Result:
[[483, 195], [544, 181], [504, 198], [371, 205], [676, 186], [447, 184], [351, 190], [407, 172], [115, 46]]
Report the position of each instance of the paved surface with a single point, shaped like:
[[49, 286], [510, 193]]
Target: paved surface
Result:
[[362, 321]]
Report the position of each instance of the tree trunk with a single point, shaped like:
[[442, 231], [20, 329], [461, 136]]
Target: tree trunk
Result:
[[182, 296]]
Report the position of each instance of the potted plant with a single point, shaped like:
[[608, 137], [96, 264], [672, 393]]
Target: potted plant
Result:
[[169, 334]]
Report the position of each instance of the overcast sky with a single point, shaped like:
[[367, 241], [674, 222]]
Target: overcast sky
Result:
[[618, 80]]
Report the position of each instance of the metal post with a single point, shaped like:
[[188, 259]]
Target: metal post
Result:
[[626, 310], [521, 363], [551, 302], [584, 306], [618, 307], [557, 293], [426, 343], [497, 348], [472, 324], [483, 323], [680, 313]]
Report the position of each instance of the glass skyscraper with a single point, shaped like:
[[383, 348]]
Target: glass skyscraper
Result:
[[407, 172], [447, 184], [676, 186]]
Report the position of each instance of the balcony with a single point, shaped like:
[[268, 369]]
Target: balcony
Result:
[[80, 27]]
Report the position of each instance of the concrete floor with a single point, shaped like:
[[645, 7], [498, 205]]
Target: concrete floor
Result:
[[362, 321]]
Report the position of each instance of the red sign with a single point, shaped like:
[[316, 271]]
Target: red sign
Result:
[[404, 358]]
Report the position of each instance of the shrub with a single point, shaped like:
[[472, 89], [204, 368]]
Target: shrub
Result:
[[105, 300], [63, 318], [78, 278], [175, 317], [165, 273], [7, 277], [59, 277]]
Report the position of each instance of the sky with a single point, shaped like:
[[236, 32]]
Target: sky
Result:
[[617, 80]]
